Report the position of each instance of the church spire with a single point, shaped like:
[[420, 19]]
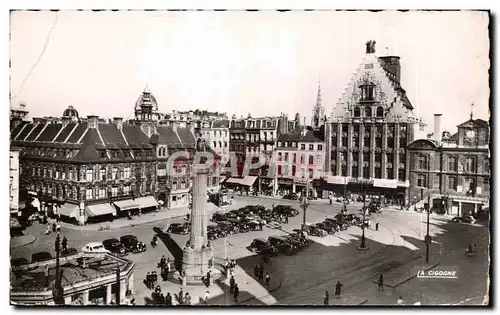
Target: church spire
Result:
[[318, 111]]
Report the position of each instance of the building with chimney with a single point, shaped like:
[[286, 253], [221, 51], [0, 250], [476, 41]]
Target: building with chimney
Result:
[[452, 172], [89, 170], [182, 118], [216, 134], [369, 129], [299, 158]]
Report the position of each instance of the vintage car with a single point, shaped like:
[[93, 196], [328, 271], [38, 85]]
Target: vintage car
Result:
[[178, 228], [94, 247], [291, 196], [464, 219], [132, 244], [114, 246], [300, 237], [214, 232], [328, 228], [227, 227], [219, 217], [283, 245], [314, 230], [262, 246], [295, 241], [333, 224], [286, 210], [41, 256]]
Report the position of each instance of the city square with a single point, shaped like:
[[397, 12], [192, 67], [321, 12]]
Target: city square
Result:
[[367, 194]]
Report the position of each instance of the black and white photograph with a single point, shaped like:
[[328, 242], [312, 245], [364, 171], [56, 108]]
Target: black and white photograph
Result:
[[178, 158]]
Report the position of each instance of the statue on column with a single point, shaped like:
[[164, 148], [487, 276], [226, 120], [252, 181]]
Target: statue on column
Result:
[[370, 46]]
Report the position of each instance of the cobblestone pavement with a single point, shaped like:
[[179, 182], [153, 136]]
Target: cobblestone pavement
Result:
[[304, 277]]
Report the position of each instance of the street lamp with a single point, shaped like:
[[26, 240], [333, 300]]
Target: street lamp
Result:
[[305, 203], [363, 239], [57, 291], [428, 237], [118, 288]]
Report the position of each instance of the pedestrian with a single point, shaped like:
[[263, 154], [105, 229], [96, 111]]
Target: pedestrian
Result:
[[261, 225], [380, 282], [286, 219], [261, 272], [148, 280], [154, 278], [180, 297], [58, 228], [268, 279], [376, 226], [168, 299], [65, 244], [326, 298], [256, 271], [207, 296], [208, 278], [187, 299], [236, 293], [338, 289], [400, 301], [232, 284]]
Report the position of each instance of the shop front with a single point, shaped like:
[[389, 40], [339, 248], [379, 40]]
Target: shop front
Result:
[[285, 186]]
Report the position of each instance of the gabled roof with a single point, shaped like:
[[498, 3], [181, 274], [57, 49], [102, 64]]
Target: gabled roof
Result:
[[477, 122], [454, 137]]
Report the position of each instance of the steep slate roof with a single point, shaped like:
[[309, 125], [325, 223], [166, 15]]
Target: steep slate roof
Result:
[[187, 138], [77, 133], [15, 131], [65, 132], [135, 137], [397, 85], [50, 132], [112, 137], [454, 137], [477, 121], [35, 132], [297, 136], [23, 133], [167, 136]]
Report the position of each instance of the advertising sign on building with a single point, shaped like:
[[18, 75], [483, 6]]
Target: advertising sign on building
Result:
[[340, 180], [385, 183]]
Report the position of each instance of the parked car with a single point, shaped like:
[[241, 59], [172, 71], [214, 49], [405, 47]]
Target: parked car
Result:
[[328, 228], [464, 219], [283, 245], [114, 246], [291, 196], [19, 261], [300, 237], [94, 247], [295, 241], [333, 224], [41, 256], [254, 226], [226, 227], [262, 246], [178, 228], [219, 217], [315, 231], [286, 210], [132, 244]]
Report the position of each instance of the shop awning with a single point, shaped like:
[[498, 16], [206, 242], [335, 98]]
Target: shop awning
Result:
[[100, 209], [340, 180], [68, 210], [127, 204], [14, 224], [146, 202], [385, 183], [248, 180]]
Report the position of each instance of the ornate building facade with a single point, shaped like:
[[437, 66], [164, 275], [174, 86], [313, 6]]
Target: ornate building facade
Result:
[[452, 172], [84, 170], [370, 128]]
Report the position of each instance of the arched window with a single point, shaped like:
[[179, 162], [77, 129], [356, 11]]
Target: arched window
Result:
[[357, 112], [368, 112], [380, 111], [215, 144], [220, 144]]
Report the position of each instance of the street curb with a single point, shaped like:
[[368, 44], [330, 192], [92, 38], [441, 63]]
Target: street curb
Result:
[[27, 243], [75, 227]]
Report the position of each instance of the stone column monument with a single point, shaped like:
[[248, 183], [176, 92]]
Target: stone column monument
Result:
[[198, 257]]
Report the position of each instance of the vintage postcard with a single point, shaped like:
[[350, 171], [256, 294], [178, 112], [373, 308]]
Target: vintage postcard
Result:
[[249, 158]]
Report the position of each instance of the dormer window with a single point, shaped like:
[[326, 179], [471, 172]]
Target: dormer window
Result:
[[367, 92]]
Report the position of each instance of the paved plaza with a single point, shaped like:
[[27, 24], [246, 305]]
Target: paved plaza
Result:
[[395, 250]]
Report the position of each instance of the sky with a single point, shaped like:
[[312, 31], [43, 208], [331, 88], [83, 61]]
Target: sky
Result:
[[262, 63]]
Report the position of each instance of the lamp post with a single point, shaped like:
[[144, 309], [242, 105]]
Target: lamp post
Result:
[[305, 203], [363, 239], [118, 288], [57, 292], [428, 237]]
